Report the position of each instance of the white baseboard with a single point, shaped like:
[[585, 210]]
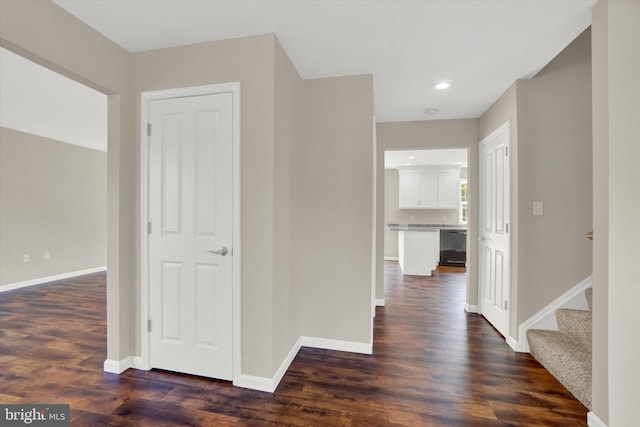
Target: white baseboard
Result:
[[391, 258], [119, 366], [269, 385], [379, 302], [114, 366], [470, 308], [545, 318], [514, 344], [339, 345], [245, 381], [594, 421], [41, 280], [137, 363], [253, 382], [284, 366]]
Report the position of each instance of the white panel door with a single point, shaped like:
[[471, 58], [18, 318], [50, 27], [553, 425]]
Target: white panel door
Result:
[[494, 248], [190, 206]]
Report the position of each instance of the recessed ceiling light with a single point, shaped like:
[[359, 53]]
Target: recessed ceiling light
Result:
[[407, 164], [443, 85], [412, 157]]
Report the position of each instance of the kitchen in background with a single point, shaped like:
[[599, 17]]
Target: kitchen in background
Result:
[[426, 209]]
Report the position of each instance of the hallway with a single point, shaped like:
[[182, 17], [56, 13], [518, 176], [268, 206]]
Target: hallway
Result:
[[433, 365]]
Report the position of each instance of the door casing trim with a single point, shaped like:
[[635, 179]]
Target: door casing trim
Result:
[[146, 98]]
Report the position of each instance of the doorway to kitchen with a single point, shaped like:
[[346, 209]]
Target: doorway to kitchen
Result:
[[426, 210]]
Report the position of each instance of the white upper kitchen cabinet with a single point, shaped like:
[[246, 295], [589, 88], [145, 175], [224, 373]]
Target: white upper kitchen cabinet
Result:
[[449, 190], [418, 190], [429, 187], [408, 191]]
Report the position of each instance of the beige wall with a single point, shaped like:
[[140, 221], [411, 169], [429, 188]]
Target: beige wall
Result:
[[616, 65], [332, 207], [624, 222], [394, 215], [555, 167], [54, 198], [425, 135], [550, 119], [288, 103], [279, 266], [600, 162], [504, 110], [250, 61], [283, 119]]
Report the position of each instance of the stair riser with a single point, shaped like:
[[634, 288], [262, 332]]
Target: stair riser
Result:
[[566, 353], [565, 360], [577, 325]]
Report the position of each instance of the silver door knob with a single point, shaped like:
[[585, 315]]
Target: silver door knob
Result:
[[222, 251]]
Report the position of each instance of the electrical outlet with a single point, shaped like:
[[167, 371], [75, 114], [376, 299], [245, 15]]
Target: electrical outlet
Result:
[[47, 255], [25, 258], [444, 217], [412, 217], [538, 208]]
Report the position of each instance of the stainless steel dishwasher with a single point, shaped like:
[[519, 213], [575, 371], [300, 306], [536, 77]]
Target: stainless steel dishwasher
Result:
[[453, 247]]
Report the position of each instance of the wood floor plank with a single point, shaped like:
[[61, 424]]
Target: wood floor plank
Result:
[[432, 365]]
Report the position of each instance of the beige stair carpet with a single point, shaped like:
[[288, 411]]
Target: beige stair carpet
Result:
[[566, 353]]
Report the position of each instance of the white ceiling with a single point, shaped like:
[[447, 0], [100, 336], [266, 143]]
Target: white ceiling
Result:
[[36, 100], [481, 46], [448, 157]]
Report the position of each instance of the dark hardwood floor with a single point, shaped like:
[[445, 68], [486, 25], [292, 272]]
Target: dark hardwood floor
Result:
[[433, 365]]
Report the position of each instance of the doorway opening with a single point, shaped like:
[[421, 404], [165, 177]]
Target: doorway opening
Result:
[[426, 202], [53, 174]]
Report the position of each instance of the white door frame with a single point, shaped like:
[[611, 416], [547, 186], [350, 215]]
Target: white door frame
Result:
[[374, 226], [146, 98]]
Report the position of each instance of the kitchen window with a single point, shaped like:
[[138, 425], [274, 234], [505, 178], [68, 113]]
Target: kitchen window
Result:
[[464, 201]]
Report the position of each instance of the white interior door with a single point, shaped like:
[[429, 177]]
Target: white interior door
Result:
[[494, 248], [190, 209]]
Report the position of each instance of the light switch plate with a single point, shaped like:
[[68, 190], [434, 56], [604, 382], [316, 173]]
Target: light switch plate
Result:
[[538, 208]]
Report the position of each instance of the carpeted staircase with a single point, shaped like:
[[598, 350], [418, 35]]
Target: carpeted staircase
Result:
[[566, 353]]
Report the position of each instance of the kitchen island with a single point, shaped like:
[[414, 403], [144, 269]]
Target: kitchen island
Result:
[[418, 249], [419, 246]]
